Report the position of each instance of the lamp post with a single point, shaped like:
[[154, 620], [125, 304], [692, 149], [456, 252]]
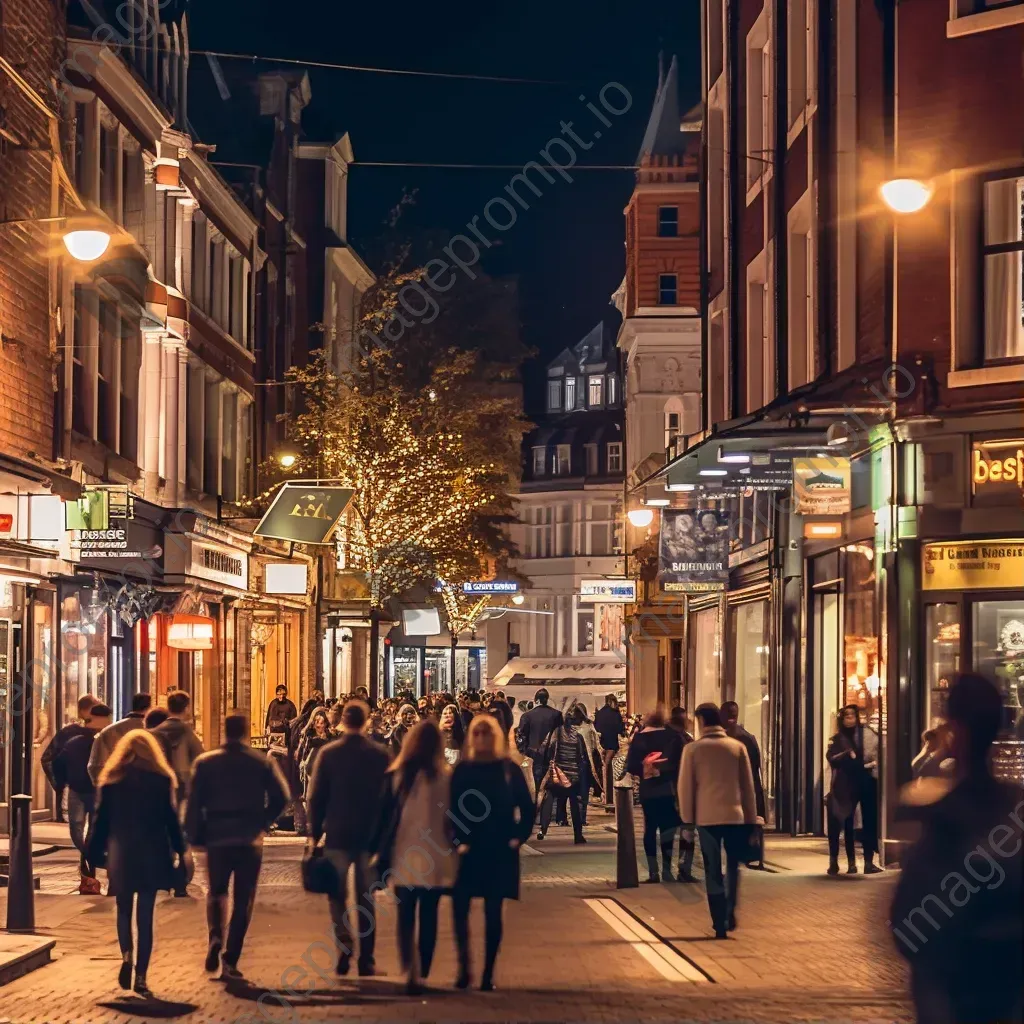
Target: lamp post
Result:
[[84, 239]]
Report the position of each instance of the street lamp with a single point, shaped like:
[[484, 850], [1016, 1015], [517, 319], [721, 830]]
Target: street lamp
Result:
[[640, 517], [518, 599], [84, 241], [287, 460], [906, 195], [86, 245]]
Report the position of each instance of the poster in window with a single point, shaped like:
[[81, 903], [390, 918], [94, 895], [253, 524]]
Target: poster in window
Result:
[[694, 550]]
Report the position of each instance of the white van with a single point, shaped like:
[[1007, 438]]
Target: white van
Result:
[[584, 680]]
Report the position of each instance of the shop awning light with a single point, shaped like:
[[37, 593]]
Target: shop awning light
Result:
[[190, 633], [714, 472], [724, 456], [823, 531], [658, 502], [680, 487]]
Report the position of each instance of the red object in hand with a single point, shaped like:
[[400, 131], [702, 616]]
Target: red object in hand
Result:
[[652, 763]]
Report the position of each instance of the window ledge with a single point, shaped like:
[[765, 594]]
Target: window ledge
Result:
[[1008, 373], [986, 21]]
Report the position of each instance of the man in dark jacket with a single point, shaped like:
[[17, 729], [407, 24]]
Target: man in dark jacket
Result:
[[103, 745], [280, 711], [654, 757], [237, 793], [731, 721], [609, 725], [345, 799], [956, 914], [54, 747], [71, 769], [534, 729]]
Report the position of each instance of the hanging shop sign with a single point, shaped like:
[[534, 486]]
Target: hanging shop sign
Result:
[[490, 587], [608, 592], [131, 542], [997, 468], [973, 565], [285, 578], [821, 485], [220, 565], [97, 507], [304, 513], [694, 550]]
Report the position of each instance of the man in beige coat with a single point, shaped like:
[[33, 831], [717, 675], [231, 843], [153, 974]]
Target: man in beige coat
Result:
[[716, 794]]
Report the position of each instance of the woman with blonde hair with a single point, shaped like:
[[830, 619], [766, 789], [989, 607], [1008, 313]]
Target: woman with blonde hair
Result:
[[416, 797], [135, 836], [491, 816]]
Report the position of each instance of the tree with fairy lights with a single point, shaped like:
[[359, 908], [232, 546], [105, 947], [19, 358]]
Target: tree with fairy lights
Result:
[[430, 447]]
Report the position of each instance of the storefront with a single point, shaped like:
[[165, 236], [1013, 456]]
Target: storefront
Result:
[[973, 620], [33, 549], [428, 669]]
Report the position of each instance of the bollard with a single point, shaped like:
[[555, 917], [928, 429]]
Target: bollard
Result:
[[21, 915], [625, 841]]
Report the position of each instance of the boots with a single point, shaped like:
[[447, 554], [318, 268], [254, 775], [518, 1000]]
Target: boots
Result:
[[833, 866], [870, 867], [652, 871], [666, 864]]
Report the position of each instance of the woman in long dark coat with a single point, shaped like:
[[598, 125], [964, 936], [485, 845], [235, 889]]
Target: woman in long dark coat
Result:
[[136, 836], [490, 818]]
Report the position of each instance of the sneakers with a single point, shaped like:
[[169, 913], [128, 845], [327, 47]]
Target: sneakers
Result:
[[229, 972]]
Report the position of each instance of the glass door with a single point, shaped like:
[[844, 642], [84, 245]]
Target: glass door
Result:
[[997, 651], [942, 657]]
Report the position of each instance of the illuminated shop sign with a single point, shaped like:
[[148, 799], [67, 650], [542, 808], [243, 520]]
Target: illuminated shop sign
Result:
[[973, 565], [997, 467], [490, 587], [608, 592]]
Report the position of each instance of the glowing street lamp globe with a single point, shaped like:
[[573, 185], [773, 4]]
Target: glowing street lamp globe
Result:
[[640, 517], [906, 195], [86, 245]]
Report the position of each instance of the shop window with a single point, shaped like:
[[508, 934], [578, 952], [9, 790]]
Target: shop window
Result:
[[704, 657], [585, 631], [860, 637], [997, 637], [942, 657], [748, 659]]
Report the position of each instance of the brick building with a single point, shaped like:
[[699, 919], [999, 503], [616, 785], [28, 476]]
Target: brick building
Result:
[[660, 338], [880, 350]]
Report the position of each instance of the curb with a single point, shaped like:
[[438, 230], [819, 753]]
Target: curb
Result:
[[17, 965]]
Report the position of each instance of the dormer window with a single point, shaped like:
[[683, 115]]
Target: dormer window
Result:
[[570, 394], [596, 392], [613, 389], [539, 461], [554, 395]]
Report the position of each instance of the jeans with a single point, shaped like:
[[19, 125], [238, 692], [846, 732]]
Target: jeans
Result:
[[362, 908], [722, 899], [145, 902], [660, 817], [868, 800], [493, 930], [572, 798], [409, 898], [80, 812], [244, 862]]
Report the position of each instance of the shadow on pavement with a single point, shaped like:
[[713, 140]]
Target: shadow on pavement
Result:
[[248, 992], [158, 1009]]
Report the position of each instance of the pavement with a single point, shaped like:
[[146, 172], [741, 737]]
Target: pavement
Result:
[[809, 948]]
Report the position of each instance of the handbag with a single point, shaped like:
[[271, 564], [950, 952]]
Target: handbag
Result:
[[557, 777], [318, 874]]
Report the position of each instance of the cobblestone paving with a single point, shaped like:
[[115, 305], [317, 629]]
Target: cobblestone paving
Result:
[[560, 961]]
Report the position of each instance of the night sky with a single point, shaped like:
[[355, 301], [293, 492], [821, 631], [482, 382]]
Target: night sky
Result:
[[567, 250]]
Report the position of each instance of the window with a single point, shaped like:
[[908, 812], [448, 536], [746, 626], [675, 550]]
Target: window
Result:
[[590, 452], [554, 395], [673, 428], [600, 530], [81, 399], [211, 438], [1004, 268], [539, 461], [562, 460], [596, 392], [128, 412], [756, 342], [108, 172], [614, 457], [570, 394], [613, 389], [759, 108], [668, 221], [802, 56], [585, 631], [802, 367], [110, 347], [667, 290], [565, 545], [195, 409], [82, 177], [229, 447]]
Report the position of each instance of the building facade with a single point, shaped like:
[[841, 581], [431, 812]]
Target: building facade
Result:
[[863, 377], [569, 529]]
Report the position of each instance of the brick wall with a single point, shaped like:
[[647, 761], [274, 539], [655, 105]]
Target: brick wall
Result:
[[31, 39]]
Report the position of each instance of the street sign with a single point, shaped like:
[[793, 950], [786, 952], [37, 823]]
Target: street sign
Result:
[[608, 592], [304, 512], [490, 587]]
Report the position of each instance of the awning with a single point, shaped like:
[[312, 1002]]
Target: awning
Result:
[[753, 457], [555, 671]]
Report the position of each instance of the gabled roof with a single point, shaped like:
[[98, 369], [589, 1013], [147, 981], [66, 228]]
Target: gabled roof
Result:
[[664, 135]]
